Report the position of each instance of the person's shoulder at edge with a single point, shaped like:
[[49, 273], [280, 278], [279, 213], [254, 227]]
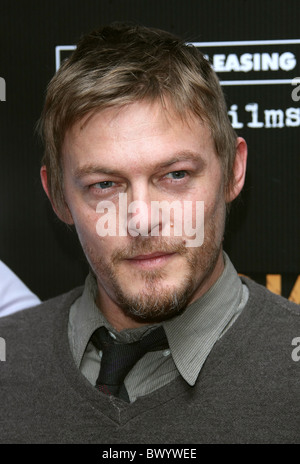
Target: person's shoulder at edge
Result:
[[51, 305], [14, 294]]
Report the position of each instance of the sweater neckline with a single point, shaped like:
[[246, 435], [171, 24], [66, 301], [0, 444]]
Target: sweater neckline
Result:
[[119, 411], [113, 408]]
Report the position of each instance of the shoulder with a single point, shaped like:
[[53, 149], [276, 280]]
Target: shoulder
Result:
[[262, 298], [269, 320], [32, 342], [40, 317], [29, 337]]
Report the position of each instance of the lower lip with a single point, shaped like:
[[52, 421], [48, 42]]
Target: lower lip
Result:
[[151, 263]]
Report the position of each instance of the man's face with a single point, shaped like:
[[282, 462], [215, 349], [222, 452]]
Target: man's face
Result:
[[148, 153]]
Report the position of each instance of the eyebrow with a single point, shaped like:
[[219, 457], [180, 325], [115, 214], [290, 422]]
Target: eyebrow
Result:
[[184, 156], [88, 169]]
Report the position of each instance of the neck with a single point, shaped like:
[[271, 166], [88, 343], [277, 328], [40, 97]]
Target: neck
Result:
[[114, 313], [210, 279]]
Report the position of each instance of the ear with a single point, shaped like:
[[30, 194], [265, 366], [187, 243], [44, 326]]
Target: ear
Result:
[[64, 214], [239, 170]]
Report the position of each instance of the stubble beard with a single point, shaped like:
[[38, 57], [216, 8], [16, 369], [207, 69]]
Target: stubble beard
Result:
[[156, 301]]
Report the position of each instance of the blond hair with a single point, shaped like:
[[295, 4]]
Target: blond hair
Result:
[[121, 64]]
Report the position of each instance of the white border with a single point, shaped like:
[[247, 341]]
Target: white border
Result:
[[60, 48]]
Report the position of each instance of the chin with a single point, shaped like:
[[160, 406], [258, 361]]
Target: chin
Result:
[[158, 302]]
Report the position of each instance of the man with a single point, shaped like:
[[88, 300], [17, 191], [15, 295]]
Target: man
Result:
[[165, 343], [14, 294]]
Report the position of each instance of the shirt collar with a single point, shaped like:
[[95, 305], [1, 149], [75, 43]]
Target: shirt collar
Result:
[[199, 326], [85, 317], [203, 322]]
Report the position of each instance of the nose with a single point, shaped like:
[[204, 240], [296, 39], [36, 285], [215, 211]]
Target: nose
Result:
[[141, 220]]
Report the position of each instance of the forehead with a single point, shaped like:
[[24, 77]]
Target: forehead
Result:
[[139, 133]]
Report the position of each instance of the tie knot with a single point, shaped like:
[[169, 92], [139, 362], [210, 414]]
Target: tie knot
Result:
[[119, 358]]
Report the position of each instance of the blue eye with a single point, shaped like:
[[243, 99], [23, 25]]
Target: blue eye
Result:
[[177, 174], [104, 185]]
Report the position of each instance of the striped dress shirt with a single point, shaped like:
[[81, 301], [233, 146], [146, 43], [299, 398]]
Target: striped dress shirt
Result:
[[191, 335]]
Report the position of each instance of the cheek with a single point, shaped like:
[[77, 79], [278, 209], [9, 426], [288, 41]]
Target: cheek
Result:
[[214, 197], [214, 215], [85, 224], [212, 207], [93, 243]]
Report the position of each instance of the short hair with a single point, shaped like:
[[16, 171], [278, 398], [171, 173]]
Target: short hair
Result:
[[119, 64]]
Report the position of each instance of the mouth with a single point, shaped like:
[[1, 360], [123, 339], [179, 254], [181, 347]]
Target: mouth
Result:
[[151, 260]]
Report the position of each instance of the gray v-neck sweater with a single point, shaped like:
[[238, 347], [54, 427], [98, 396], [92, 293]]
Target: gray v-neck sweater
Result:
[[247, 390]]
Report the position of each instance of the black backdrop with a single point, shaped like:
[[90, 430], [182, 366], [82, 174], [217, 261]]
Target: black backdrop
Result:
[[262, 236]]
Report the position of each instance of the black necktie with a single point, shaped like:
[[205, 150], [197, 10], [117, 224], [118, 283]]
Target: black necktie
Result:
[[119, 358]]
